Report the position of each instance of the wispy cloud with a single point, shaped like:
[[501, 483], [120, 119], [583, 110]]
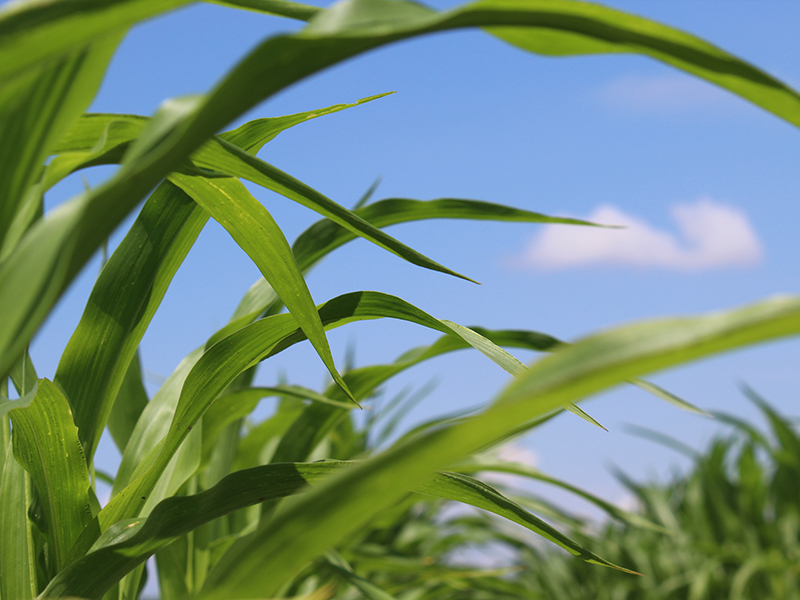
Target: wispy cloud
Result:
[[710, 235], [665, 93]]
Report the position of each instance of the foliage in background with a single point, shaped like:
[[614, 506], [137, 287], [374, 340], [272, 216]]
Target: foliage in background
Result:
[[207, 496], [731, 528]]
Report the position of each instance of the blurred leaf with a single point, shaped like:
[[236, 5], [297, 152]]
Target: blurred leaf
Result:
[[483, 465], [339, 506], [62, 246], [129, 543], [128, 406], [37, 107]]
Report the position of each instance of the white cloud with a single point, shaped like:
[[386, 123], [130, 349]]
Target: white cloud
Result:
[[711, 235], [666, 93]]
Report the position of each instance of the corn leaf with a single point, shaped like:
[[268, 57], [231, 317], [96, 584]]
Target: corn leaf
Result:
[[62, 246], [46, 445], [259, 564], [129, 543]]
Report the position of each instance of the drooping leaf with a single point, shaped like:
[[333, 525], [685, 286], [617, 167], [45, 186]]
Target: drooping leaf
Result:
[[219, 365], [133, 283], [256, 232], [327, 514], [227, 158], [131, 542], [63, 246]]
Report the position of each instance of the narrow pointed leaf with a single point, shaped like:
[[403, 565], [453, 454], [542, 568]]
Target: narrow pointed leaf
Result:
[[481, 465], [324, 236], [332, 36], [131, 542], [256, 232], [455, 486], [256, 566], [226, 158], [220, 365]]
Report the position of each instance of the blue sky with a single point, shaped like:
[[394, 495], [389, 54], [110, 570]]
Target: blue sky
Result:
[[707, 184]]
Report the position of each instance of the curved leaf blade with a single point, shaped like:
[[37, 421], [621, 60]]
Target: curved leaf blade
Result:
[[256, 232], [305, 527], [331, 37]]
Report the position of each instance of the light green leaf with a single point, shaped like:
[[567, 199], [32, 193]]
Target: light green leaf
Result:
[[256, 232], [46, 445], [131, 542], [36, 109], [344, 31], [255, 567], [17, 550], [218, 367], [36, 33]]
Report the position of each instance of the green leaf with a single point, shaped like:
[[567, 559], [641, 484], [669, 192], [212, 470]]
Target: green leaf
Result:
[[325, 235], [281, 8], [128, 544], [17, 550], [486, 464], [37, 108], [256, 232], [234, 405], [133, 283], [321, 518], [124, 299], [61, 247], [455, 486], [220, 156], [218, 367], [36, 33], [337, 562], [153, 424], [128, 406], [46, 445]]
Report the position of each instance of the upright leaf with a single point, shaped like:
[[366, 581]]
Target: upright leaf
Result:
[[46, 444], [17, 550]]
